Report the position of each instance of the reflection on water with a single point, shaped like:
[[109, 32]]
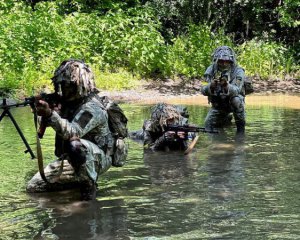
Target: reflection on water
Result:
[[225, 189]]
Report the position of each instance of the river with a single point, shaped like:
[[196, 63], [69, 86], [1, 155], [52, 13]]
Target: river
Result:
[[224, 189]]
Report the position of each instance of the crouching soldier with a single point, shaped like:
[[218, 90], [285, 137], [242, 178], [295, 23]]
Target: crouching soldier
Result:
[[154, 132], [83, 136], [225, 90]]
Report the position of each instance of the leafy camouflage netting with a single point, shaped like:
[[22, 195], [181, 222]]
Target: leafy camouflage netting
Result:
[[224, 53], [75, 71], [163, 112]]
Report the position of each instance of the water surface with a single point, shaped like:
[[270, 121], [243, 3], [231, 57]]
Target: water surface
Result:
[[224, 189]]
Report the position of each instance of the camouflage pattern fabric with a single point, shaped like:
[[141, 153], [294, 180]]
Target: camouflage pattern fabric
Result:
[[88, 122], [75, 71], [82, 118], [153, 129], [224, 53], [163, 112], [232, 101]]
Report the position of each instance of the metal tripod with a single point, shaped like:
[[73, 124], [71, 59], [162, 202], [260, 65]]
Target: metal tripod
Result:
[[6, 112]]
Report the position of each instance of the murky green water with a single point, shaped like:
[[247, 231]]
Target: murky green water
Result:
[[223, 190]]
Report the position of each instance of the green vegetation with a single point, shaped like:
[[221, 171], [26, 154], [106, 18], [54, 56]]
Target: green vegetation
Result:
[[124, 42]]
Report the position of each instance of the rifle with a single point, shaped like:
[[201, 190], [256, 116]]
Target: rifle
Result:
[[219, 89], [187, 129], [52, 99]]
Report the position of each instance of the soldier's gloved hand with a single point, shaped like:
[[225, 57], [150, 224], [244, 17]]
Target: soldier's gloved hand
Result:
[[181, 135], [169, 136], [43, 109], [213, 85], [224, 84]]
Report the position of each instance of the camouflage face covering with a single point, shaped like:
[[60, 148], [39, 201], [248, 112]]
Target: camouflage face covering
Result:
[[224, 53], [77, 72], [223, 58], [163, 112]]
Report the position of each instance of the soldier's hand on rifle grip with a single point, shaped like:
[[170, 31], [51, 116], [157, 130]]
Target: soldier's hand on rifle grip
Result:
[[213, 85], [169, 135], [224, 84], [42, 108], [181, 135]]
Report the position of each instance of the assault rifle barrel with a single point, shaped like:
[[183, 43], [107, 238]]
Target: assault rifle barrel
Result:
[[28, 101], [189, 128], [6, 112]]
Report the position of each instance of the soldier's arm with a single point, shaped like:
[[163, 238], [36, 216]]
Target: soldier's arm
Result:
[[239, 79], [208, 89], [208, 75], [147, 128], [89, 117], [232, 90], [159, 143], [147, 138]]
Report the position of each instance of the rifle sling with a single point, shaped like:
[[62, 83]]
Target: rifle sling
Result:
[[39, 154], [192, 145]]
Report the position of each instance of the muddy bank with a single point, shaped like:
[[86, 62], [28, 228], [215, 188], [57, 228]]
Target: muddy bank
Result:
[[180, 92]]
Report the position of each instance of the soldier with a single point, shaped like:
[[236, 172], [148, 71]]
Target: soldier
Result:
[[225, 90], [153, 133], [81, 124]]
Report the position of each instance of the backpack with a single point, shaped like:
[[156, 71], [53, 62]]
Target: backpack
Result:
[[248, 86], [117, 123]]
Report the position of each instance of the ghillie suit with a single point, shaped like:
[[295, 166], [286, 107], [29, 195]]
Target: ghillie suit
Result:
[[83, 135], [153, 131], [229, 99]]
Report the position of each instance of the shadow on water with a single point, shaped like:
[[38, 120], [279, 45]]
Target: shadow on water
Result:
[[224, 189]]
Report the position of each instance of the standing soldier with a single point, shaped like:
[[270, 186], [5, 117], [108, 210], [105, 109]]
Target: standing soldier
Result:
[[82, 136], [225, 90]]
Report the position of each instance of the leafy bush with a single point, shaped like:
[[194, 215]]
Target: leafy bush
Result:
[[266, 59], [128, 40], [119, 80], [34, 43], [191, 53]]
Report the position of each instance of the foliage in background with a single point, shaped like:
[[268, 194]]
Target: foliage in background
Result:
[[35, 42], [121, 79], [241, 18], [266, 59], [113, 35], [190, 54]]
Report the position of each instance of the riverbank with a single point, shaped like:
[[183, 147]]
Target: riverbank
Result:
[[188, 93]]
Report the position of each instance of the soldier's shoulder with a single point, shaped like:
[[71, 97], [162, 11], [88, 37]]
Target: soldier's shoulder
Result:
[[239, 69], [209, 70], [93, 105]]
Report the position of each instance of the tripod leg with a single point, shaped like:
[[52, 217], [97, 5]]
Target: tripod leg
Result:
[[7, 112]]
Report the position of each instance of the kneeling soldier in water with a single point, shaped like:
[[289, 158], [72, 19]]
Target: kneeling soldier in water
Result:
[[225, 93], [82, 136]]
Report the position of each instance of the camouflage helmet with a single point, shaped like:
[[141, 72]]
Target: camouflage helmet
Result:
[[78, 72], [162, 112], [224, 53]]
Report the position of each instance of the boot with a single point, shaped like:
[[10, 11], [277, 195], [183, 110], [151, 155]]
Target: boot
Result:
[[88, 190], [240, 127]]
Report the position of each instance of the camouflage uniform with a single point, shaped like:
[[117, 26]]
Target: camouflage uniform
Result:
[[225, 102], [81, 125], [153, 129], [85, 122]]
